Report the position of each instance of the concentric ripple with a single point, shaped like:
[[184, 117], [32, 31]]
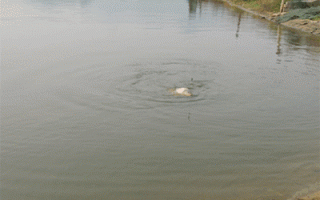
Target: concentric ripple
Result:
[[148, 83], [140, 85]]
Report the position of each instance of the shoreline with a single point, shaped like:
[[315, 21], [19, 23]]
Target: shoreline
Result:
[[312, 196], [305, 25]]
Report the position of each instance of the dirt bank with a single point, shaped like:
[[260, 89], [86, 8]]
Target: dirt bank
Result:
[[313, 196], [305, 25]]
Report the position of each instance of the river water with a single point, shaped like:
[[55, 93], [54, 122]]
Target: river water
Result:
[[86, 112]]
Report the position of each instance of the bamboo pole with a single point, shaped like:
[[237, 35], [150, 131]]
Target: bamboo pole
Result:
[[281, 6]]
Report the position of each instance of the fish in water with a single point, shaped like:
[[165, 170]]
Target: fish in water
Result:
[[180, 92]]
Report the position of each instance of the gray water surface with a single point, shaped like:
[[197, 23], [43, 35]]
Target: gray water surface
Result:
[[86, 112]]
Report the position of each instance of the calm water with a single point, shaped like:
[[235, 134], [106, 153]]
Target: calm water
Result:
[[86, 112]]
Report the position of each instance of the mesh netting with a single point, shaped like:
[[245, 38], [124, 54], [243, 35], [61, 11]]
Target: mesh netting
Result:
[[306, 13]]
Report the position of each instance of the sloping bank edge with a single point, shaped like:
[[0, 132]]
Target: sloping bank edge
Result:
[[305, 25]]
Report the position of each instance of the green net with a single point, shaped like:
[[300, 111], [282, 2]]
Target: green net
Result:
[[306, 13]]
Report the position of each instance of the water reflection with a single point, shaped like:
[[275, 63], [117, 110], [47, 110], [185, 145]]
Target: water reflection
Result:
[[193, 4], [297, 39], [83, 3], [279, 40], [189, 117], [238, 26], [294, 38]]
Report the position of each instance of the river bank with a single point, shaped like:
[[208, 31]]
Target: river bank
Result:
[[306, 25], [311, 196]]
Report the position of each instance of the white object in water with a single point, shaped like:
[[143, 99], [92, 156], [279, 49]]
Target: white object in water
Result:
[[181, 91]]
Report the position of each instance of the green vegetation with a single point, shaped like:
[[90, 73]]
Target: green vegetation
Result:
[[317, 18], [260, 5], [312, 13], [273, 6]]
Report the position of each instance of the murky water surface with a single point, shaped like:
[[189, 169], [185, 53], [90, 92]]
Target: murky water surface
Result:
[[86, 112]]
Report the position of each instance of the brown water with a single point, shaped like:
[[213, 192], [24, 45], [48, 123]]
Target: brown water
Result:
[[86, 112]]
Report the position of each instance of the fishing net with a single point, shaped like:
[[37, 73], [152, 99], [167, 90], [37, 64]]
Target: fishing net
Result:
[[306, 13]]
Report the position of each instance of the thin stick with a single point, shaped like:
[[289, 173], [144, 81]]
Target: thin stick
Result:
[[281, 7]]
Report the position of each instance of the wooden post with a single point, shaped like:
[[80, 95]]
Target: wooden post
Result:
[[281, 6]]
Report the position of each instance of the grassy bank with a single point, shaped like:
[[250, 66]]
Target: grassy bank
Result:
[[273, 6], [260, 5], [303, 17]]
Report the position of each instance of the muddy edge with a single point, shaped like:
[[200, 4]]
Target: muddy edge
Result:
[[305, 25]]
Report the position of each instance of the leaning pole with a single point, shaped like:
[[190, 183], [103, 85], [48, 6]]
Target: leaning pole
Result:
[[281, 6]]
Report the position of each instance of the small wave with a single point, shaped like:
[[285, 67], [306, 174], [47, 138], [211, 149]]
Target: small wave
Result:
[[151, 82], [141, 85]]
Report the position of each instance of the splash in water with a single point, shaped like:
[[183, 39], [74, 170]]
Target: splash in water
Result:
[[180, 92]]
